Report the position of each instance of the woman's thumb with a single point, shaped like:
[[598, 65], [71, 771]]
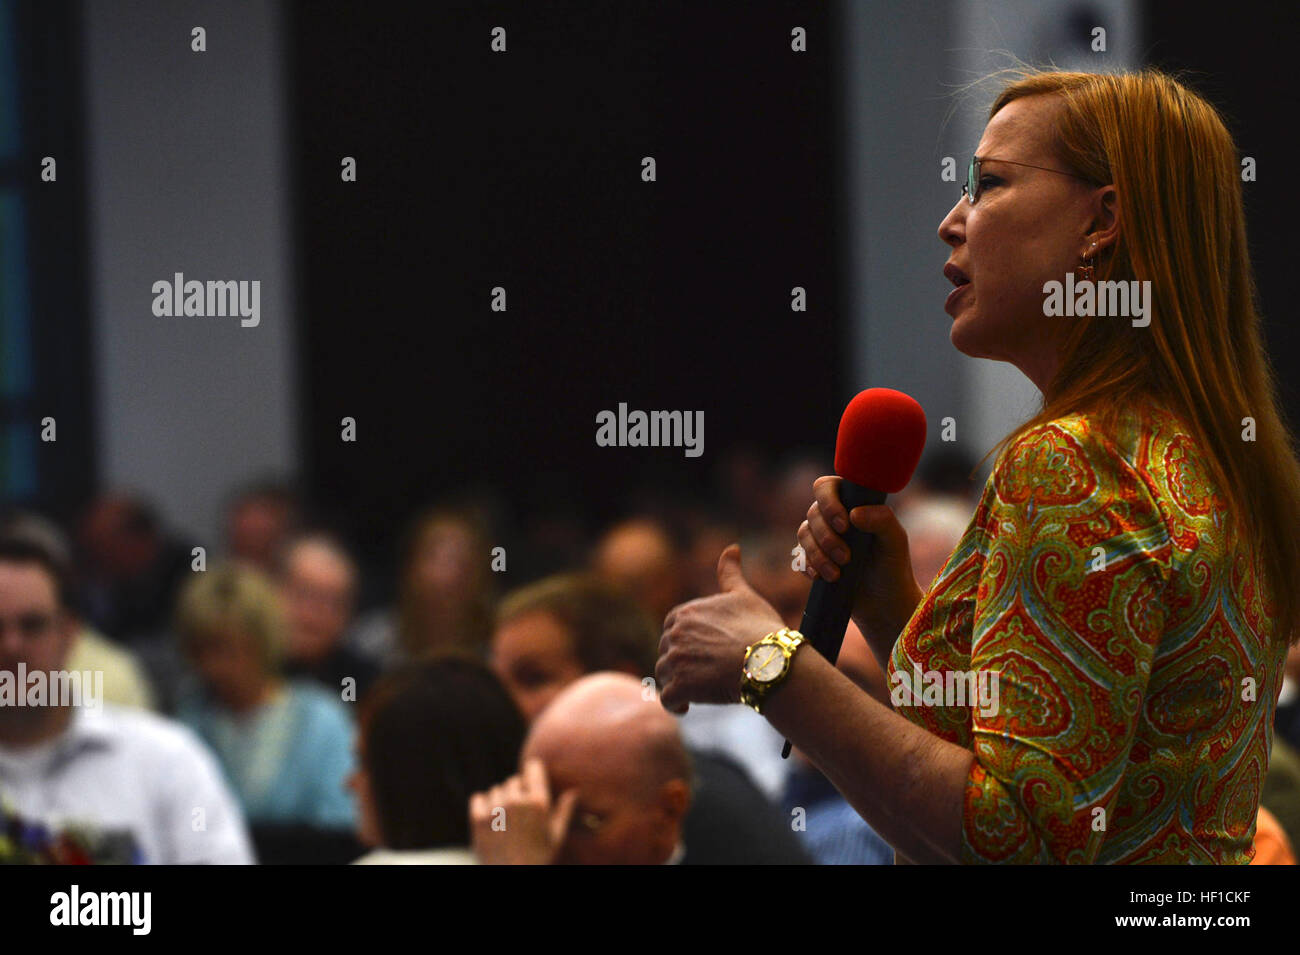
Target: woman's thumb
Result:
[[880, 520]]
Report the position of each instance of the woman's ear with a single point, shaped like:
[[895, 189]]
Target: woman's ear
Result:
[[1104, 228]]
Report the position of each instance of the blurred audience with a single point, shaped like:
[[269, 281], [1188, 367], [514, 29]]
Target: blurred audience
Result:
[[131, 568], [790, 494], [95, 783], [318, 587], [260, 519], [948, 470], [605, 779], [640, 557], [551, 633], [831, 829], [431, 734], [445, 596], [125, 683], [271, 654], [743, 488], [934, 524], [286, 746], [552, 535], [770, 566], [708, 539]]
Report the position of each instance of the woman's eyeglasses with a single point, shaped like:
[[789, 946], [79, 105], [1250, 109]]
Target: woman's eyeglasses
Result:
[[971, 190]]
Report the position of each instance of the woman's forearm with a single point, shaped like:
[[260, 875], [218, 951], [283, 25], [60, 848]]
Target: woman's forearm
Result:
[[905, 782]]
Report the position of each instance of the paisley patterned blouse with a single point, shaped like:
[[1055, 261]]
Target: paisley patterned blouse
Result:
[[1136, 674]]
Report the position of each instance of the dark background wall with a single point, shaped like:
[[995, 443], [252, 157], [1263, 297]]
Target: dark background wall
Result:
[[46, 350], [1241, 60], [524, 170]]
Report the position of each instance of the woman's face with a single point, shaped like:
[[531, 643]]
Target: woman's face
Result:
[[1028, 227], [445, 563], [534, 656], [228, 664]]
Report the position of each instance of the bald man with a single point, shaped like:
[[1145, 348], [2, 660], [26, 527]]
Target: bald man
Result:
[[616, 762], [639, 556]]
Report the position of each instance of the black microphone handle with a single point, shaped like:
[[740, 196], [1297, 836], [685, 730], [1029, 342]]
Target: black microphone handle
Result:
[[830, 604]]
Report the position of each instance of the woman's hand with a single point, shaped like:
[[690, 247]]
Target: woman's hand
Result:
[[703, 646], [888, 593]]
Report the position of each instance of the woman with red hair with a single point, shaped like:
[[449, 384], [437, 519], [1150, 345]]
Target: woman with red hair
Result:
[[1129, 574]]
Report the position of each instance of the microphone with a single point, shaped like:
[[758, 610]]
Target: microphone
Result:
[[881, 436]]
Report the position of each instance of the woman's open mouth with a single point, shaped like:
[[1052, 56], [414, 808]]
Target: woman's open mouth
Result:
[[958, 278]]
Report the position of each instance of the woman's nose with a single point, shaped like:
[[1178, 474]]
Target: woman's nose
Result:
[[950, 229]]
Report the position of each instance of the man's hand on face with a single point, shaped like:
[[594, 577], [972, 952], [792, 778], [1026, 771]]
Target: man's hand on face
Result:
[[515, 822]]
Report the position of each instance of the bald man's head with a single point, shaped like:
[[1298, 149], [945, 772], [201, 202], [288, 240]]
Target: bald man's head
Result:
[[624, 755], [640, 557]]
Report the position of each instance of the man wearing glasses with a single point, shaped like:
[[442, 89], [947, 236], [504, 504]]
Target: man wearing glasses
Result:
[[82, 784]]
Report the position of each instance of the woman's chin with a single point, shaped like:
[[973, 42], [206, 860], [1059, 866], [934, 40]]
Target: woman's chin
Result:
[[972, 337], [963, 337]]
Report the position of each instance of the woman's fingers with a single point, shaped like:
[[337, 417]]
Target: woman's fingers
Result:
[[830, 542], [819, 535], [826, 491], [818, 563]]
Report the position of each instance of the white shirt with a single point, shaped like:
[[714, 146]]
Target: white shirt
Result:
[[746, 737], [123, 772]]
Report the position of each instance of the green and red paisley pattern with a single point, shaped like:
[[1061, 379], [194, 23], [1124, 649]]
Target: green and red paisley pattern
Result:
[[1137, 672]]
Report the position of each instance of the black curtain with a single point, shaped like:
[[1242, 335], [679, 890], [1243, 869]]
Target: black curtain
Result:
[[523, 170]]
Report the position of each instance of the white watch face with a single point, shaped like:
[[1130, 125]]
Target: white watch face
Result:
[[765, 663]]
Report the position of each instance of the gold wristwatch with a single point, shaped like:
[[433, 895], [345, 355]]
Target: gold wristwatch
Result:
[[766, 666]]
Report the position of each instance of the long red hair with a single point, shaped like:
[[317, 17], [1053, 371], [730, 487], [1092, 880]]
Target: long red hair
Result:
[[1183, 228]]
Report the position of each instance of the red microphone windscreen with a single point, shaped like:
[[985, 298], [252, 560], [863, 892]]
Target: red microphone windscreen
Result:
[[882, 434]]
